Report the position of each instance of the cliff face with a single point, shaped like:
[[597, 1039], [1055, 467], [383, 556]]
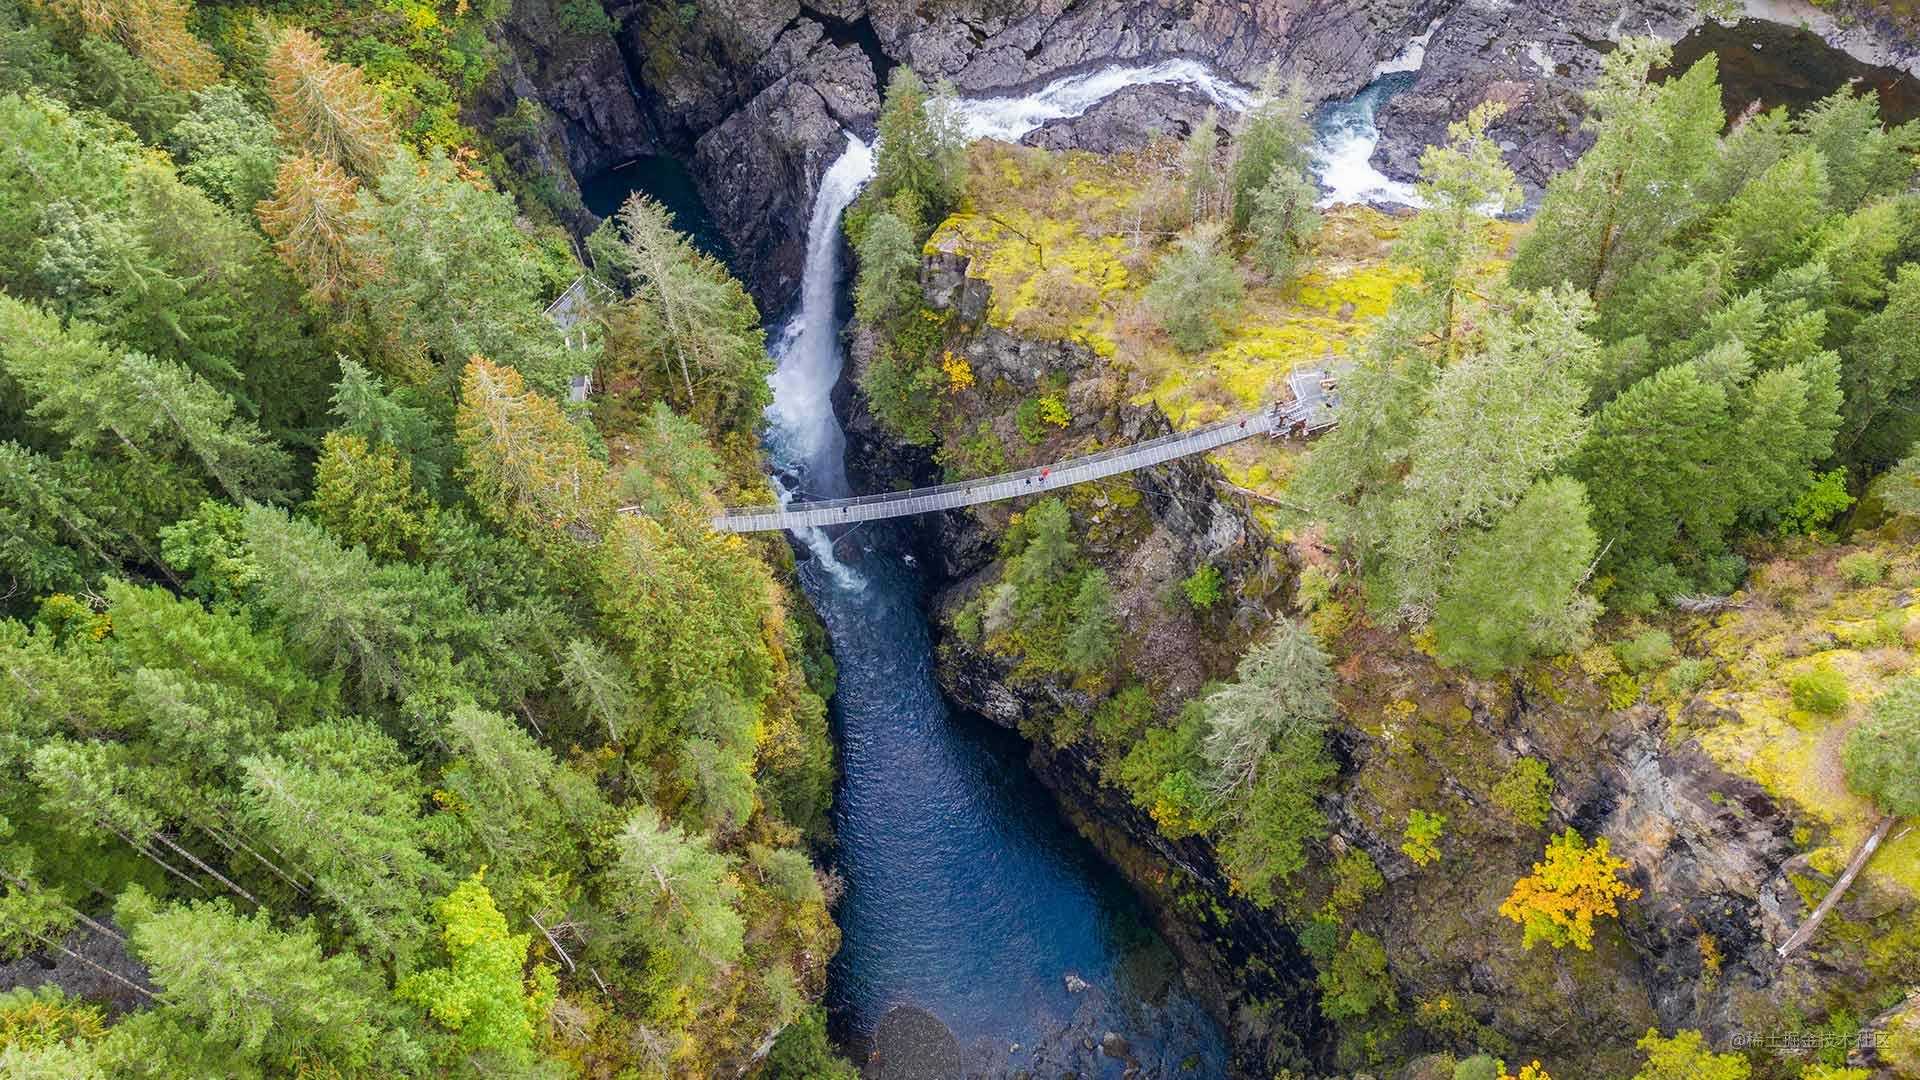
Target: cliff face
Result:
[[755, 94], [1724, 867]]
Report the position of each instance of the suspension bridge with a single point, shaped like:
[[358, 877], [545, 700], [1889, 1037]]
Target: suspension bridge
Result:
[[1312, 409]]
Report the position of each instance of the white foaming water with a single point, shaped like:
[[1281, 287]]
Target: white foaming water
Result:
[[1344, 158], [1409, 58], [1009, 118]]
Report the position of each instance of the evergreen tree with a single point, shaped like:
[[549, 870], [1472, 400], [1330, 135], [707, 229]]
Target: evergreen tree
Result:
[[1496, 422], [1863, 157], [1460, 184], [1357, 472], [1089, 645], [340, 802], [482, 994], [1786, 425], [453, 277], [1641, 181], [1200, 164], [1273, 141], [692, 323], [1775, 219], [1882, 753], [226, 148], [1651, 467], [1196, 290], [673, 473], [385, 626], [1282, 694], [889, 257], [96, 397], [1283, 224], [1883, 358], [677, 898], [325, 109], [49, 540], [268, 995], [364, 496], [921, 149], [1513, 590]]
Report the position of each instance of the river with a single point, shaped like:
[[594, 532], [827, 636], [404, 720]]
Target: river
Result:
[[980, 932]]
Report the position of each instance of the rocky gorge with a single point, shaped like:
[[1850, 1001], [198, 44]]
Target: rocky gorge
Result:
[[753, 94], [754, 97]]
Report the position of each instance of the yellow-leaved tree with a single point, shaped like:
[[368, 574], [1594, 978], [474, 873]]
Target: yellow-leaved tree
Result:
[[526, 465], [1557, 903], [310, 219]]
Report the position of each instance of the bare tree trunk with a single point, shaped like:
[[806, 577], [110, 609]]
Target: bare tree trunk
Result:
[[197, 861], [1860, 856]]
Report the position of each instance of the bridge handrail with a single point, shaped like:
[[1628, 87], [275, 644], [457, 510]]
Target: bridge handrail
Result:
[[1108, 454]]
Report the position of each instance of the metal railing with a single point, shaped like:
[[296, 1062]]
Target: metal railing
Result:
[[1066, 473]]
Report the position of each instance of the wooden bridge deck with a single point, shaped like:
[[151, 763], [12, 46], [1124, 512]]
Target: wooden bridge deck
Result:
[[1078, 470]]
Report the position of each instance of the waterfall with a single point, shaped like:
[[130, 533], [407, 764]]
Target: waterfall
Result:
[[805, 436]]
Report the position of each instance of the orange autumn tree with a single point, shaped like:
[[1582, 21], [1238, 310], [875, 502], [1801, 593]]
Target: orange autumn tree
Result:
[[1557, 903], [153, 30], [310, 220], [326, 109]]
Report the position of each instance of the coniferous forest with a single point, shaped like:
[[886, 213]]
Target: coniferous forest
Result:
[[337, 694]]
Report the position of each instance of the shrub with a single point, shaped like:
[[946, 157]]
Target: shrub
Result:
[[802, 1052], [787, 873], [1356, 982], [1354, 879], [1422, 836], [1196, 290], [1686, 1057], [1622, 690], [1035, 416], [1882, 754], [1478, 1067], [1862, 568], [1686, 675], [1202, 587], [1120, 719], [1558, 902], [1526, 792], [1899, 489], [1821, 690], [1644, 652], [1818, 505]]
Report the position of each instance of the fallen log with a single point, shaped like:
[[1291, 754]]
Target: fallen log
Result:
[[1860, 856]]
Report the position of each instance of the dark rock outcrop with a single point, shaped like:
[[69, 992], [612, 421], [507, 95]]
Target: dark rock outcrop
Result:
[[755, 93], [1128, 120], [1535, 58], [758, 169]]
